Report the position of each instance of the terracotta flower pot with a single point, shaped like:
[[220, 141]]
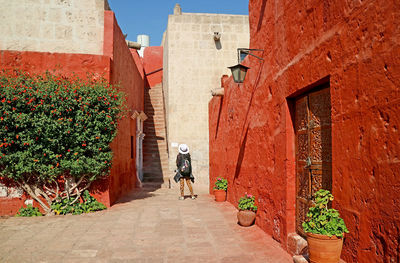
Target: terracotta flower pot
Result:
[[220, 195], [324, 249], [246, 217]]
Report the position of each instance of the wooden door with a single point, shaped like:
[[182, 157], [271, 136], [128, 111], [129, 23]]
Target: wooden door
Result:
[[313, 149]]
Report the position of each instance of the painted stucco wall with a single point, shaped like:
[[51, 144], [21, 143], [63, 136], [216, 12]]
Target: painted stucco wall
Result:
[[354, 45], [118, 65], [63, 26], [126, 74], [153, 65], [193, 64]]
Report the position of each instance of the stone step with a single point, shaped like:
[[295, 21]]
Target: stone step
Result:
[[155, 155], [149, 163], [148, 185], [154, 147], [151, 168], [154, 152], [155, 144], [150, 158], [158, 154], [152, 180]]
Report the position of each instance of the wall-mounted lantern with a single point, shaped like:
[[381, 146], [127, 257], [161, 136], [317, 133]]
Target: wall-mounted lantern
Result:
[[239, 71]]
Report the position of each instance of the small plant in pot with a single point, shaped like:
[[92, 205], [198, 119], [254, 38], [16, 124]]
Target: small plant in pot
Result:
[[247, 210], [325, 230], [220, 187]]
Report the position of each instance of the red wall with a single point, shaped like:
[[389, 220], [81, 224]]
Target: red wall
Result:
[[153, 65], [355, 46], [117, 65], [125, 73], [68, 64]]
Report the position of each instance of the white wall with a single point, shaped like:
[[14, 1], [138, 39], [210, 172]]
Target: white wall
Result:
[[63, 26], [193, 66]]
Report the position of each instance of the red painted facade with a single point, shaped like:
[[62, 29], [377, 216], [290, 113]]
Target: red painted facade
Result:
[[353, 46], [125, 72], [117, 65], [153, 65]]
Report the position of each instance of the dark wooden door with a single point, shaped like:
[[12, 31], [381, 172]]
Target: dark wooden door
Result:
[[313, 149]]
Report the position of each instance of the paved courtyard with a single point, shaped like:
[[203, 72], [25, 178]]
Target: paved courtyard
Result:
[[146, 226]]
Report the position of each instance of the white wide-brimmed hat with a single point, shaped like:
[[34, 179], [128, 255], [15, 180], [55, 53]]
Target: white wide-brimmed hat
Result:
[[183, 149]]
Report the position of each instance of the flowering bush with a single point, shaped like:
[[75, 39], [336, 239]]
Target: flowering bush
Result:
[[56, 129], [247, 202], [221, 184]]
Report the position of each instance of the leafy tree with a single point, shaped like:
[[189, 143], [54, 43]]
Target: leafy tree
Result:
[[55, 133]]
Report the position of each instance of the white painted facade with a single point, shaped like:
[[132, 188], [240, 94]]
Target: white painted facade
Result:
[[63, 26], [193, 65]]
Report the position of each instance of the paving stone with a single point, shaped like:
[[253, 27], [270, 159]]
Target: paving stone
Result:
[[151, 226]]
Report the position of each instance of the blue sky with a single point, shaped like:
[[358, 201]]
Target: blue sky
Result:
[[150, 17]]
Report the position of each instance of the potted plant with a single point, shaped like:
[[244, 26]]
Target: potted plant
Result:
[[325, 230], [247, 210], [220, 189]]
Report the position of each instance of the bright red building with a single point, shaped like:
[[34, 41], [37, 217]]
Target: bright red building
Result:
[[120, 66], [320, 111]]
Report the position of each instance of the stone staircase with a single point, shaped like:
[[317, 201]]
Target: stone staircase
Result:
[[155, 151]]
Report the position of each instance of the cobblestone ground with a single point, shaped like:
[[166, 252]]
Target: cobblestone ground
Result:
[[146, 226]]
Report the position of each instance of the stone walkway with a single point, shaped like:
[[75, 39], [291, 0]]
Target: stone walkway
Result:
[[147, 226]]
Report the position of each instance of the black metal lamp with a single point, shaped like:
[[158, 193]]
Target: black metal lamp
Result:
[[239, 71]]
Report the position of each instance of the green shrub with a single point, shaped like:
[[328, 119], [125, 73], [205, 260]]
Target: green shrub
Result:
[[55, 128], [221, 184], [28, 211], [247, 202], [324, 221], [89, 204]]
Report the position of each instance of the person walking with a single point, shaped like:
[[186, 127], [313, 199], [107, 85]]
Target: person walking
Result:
[[184, 170]]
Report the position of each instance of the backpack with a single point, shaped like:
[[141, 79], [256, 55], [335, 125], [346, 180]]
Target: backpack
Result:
[[185, 167]]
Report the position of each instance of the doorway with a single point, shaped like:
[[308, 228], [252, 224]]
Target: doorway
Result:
[[313, 148], [140, 118]]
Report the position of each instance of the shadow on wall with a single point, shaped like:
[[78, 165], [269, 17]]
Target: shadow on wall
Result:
[[218, 44], [152, 162], [219, 116], [241, 155]]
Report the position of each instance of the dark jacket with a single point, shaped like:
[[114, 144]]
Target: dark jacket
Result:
[[180, 158]]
